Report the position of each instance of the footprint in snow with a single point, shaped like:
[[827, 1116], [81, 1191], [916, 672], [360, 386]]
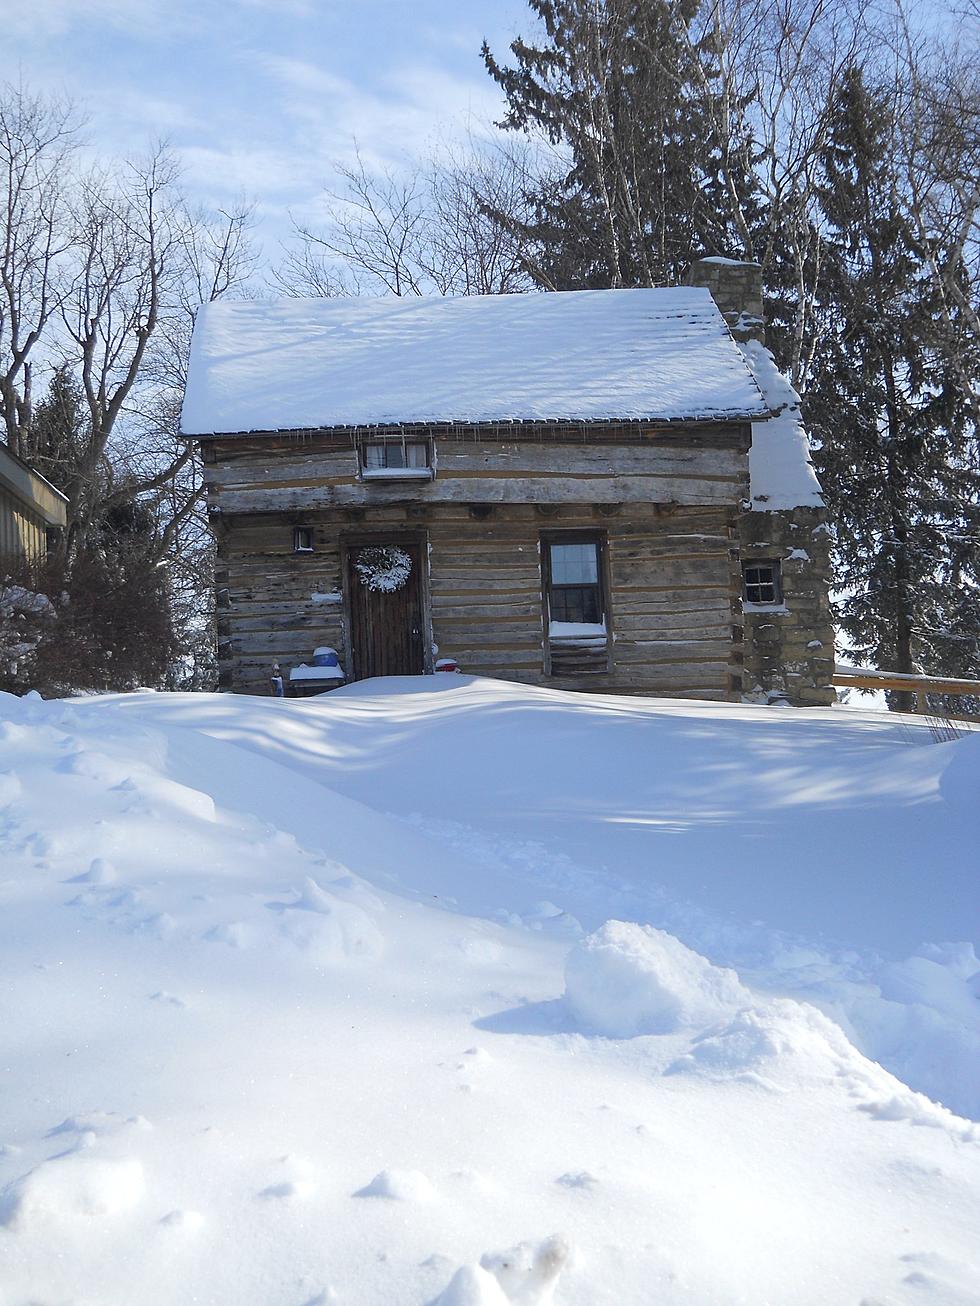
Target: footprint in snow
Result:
[[236, 934], [290, 1188], [184, 1221], [950, 1281], [577, 1179], [169, 999], [297, 1181]]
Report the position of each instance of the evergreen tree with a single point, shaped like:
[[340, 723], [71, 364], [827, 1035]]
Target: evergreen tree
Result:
[[897, 443], [646, 183], [58, 434]]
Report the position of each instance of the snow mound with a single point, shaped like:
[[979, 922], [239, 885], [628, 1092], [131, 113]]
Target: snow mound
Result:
[[72, 1185], [789, 1045], [528, 1273], [628, 979], [472, 1286], [330, 930], [399, 1186], [525, 1275], [100, 871], [343, 886], [785, 1035]]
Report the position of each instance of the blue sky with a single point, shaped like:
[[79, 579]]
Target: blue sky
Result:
[[261, 96]]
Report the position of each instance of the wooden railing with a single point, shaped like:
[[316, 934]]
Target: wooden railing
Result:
[[920, 686]]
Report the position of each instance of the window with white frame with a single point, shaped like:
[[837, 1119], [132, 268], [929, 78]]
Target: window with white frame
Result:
[[302, 539], [407, 458]]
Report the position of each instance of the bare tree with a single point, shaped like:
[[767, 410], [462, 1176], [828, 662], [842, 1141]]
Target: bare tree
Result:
[[427, 229], [38, 141], [468, 251], [101, 272], [373, 236]]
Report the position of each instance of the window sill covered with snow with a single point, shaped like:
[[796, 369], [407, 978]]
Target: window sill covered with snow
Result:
[[577, 630]]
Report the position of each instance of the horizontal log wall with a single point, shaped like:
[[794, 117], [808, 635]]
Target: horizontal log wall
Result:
[[252, 476], [673, 574]]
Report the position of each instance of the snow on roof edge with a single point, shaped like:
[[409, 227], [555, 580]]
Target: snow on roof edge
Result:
[[781, 473], [752, 415]]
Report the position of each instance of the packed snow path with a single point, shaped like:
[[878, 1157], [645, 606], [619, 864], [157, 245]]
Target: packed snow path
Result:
[[457, 991]]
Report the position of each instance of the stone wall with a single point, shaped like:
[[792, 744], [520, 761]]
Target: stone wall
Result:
[[789, 648], [737, 290]]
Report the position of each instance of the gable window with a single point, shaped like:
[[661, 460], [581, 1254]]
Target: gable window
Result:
[[302, 539], [762, 584], [408, 458]]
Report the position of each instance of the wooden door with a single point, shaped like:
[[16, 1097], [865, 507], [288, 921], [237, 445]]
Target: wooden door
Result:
[[387, 625]]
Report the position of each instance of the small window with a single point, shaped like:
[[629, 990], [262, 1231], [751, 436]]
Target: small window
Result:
[[762, 583], [302, 539], [396, 459], [574, 584]]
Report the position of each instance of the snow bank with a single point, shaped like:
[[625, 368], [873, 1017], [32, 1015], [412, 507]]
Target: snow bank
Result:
[[245, 946], [630, 979]]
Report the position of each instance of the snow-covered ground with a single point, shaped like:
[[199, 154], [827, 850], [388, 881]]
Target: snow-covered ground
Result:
[[455, 991]]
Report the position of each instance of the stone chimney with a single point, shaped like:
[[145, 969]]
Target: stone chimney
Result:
[[736, 288]]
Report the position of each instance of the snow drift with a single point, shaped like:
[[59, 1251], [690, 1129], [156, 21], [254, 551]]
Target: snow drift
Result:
[[474, 993]]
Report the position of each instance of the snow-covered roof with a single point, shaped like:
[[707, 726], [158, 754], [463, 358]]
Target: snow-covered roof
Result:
[[780, 472], [294, 364]]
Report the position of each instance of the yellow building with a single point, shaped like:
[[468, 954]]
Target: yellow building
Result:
[[29, 507]]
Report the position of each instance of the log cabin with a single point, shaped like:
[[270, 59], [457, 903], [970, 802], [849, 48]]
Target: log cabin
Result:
[[594, 490]]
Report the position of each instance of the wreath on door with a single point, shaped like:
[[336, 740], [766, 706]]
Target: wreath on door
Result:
[[383, 568]]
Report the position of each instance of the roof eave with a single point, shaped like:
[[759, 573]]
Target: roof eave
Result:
[[31, 489], [352, 428]]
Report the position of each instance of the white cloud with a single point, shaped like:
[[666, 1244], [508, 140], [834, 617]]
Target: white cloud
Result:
[[399, 117], [41, 19], [300, 76], [260, 96], [255, 171]]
